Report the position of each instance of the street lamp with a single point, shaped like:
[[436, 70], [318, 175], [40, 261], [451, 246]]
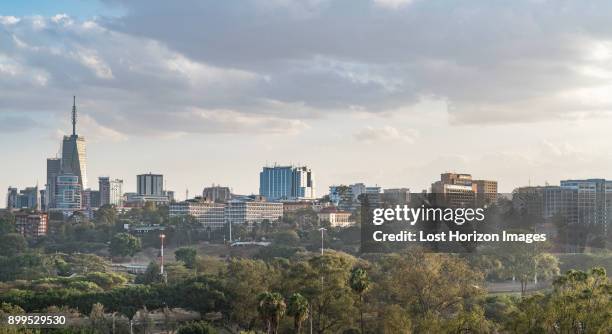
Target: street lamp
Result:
[[161, 267], [322, 229]]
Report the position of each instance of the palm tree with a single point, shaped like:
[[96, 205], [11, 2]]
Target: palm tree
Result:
[[298, 309], [359, 282], [271, 309]]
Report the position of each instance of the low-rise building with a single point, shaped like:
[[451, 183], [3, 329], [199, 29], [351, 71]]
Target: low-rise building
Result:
[[205, 211], [31, 225], [252, 209], [296, 206], [335, 218]]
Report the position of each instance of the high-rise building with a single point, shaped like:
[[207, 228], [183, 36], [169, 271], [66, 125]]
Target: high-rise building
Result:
[[95, 199], [286, 183], [54, 168], [217, 194], [302, 185], [43, 199], [150, 189], [27, 198], [150, 184], [74, 155], [594, 200], [458, 189], [587, 202], [454, 190], [86, 202], [104, 189], [68, 194], [111, 191], [12, 198]]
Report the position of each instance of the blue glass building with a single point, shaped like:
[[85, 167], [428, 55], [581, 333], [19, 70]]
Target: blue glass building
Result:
[[286, 183]]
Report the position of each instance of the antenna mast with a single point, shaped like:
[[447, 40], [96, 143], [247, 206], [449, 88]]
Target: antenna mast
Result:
[[74, 115]]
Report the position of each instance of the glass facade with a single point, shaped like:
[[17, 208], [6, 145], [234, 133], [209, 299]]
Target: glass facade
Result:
[[286, 183], [68, 193], [74, 158]]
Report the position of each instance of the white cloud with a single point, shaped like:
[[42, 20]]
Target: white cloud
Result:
[[9, 20], [63, 19], [387, 133], [92, 60]]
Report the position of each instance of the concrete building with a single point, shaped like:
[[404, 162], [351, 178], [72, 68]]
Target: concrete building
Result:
[[577, 201], [151, 185], [296, 206], [252, 209], [170, 195], [150, 188], [396, 196], [217, 194], [334, 218], [485, 190], [31, 225], [111, 191], [206, 212], [458, 190], [593, 201], [286, 183]]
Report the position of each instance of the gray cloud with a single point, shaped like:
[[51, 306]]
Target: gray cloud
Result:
[[485, 58], [261, 66]]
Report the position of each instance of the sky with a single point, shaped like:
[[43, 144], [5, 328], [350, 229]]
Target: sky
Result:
[[385, 92]]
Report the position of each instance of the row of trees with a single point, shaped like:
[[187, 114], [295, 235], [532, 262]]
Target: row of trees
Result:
[[335, 293]]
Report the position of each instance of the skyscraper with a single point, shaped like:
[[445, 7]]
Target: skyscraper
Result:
[[54, 168], [74, 155], [286, 182]]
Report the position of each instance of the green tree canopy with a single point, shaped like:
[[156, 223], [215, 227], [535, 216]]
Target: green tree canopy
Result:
[[187, 255], [12, 244], [124, 244]]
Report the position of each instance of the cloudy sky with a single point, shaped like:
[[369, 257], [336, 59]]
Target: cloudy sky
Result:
[[387, 92]]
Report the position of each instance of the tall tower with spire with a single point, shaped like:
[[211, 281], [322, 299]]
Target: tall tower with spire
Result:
[[74, 153]]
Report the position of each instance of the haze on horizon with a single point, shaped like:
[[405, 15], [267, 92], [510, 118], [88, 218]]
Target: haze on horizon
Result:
[[387, 92]]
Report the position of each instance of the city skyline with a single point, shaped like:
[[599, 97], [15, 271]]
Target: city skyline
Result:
[[185, 100]]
